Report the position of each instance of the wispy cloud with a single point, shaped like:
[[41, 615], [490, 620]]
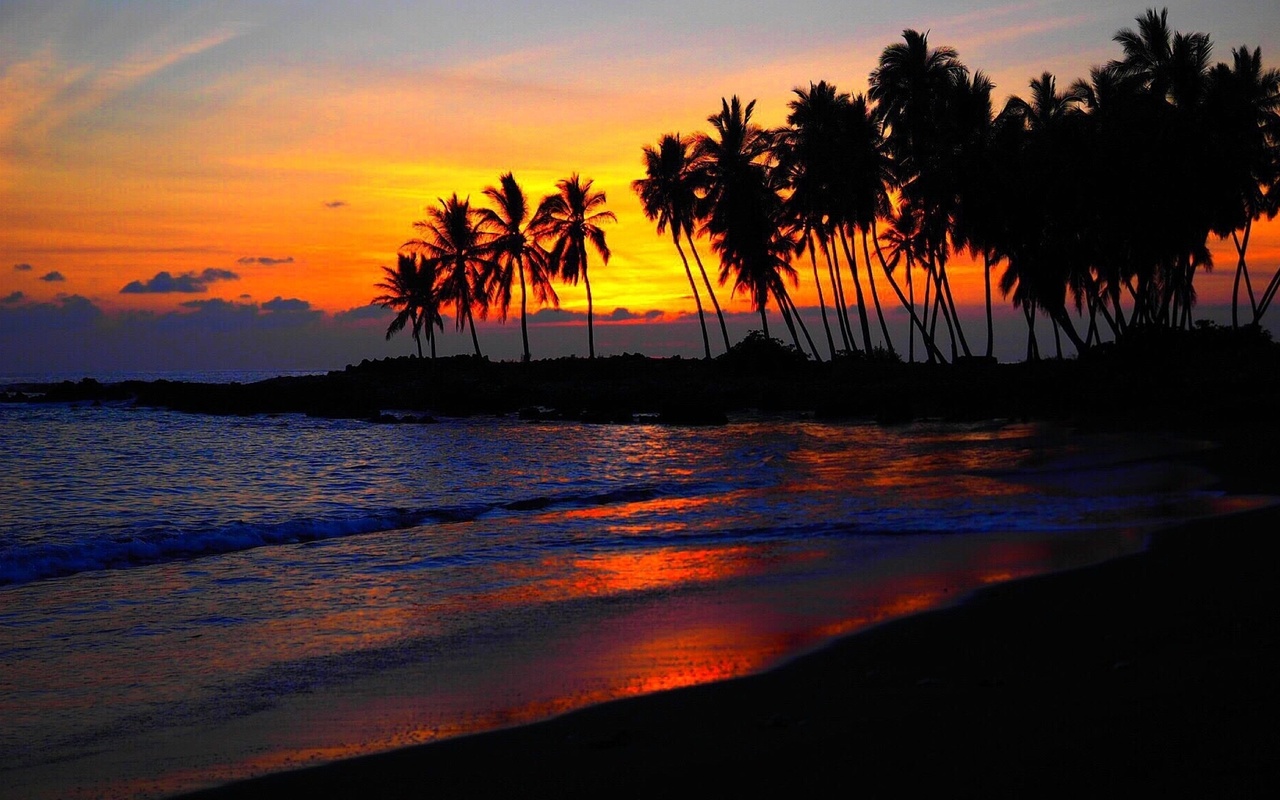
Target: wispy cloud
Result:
[[22, 267], [53, 277], [44, 92], [266, 261], [184, 283], [335, 204]]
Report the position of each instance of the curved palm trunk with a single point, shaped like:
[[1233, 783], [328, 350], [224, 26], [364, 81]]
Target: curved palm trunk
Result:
[[857, 288], [875, 295], [431, 338], [524, 313], [787, 318], [837, 284], [764, 322], [945, 288], [591, 328], [1242, 270], [908, 304], [693, 287], [724, 331], [813, 259], [471, 323], [1267, 296], [795, 311]]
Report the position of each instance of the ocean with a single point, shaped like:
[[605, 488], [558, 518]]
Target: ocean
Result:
[[187, 600]]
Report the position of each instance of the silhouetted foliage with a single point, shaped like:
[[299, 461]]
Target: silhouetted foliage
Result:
[[1092, 204]]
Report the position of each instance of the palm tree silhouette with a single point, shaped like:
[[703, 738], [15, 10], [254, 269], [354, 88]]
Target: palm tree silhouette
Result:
[[1243, 110], [570, 220], [409, 289], [457, 244], [667, 194], [742, 210], [915, 88], [516, 254], [809, 161]]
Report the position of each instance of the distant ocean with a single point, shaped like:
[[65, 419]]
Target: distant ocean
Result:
[[189, 599]]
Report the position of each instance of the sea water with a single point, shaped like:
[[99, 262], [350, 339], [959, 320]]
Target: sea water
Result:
[[190, 599]]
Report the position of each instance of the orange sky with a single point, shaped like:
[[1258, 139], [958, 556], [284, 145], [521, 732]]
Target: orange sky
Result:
[[294, 150]]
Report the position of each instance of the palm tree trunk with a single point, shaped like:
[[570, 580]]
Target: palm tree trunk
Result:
[[471, 322], [764, 322], [1242, 269], [693, 287], [908, 304], [1267, 296], [724, 331], [786, 317], [795, 310], [431, 337], [857, 288], [986, 275], [591, 328], [1033, 348], [951, 303], [875, 296], [524, 314], [817, 282], [842, 307]]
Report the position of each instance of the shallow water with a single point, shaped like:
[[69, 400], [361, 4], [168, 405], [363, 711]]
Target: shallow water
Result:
[[188, 599]]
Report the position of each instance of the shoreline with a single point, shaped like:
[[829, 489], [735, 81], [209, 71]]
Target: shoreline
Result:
[[1208, 380], [1150, 671]]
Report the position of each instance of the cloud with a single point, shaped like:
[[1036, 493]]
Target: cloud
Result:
[[266, 261], [15, 297], [185, 283], [53, 277], [372, 311], [22, 267], [280, 304], [624, 315], [555, 316], [335, 204]]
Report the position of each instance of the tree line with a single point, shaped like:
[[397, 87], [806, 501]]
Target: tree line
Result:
[[1099, 199]]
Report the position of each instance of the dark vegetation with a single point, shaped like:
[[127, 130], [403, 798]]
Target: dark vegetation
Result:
[[1092, 207], [1208, 378]]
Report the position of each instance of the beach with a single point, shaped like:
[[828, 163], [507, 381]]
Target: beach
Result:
[[299, 601], [1151, 674]]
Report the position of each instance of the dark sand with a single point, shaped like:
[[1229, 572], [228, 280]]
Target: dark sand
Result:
[[1154, 675]]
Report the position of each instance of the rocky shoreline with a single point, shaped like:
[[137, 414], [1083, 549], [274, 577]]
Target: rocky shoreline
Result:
[[1188, 381]]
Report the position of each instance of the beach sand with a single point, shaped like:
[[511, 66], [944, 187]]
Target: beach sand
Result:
[[1157, 674]]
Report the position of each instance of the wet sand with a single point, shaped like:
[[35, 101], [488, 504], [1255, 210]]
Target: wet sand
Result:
[[1154, 673]]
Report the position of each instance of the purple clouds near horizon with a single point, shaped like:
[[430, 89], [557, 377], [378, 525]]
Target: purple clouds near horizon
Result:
[[53, 277], [183, 283], [266, 261]]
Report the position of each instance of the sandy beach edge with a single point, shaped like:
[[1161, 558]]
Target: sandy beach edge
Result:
[[1153, 672]]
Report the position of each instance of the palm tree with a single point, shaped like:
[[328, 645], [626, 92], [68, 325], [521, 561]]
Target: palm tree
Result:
[[457, 244], [410, 291], [668, 197], [743, 209], [570, 220], [516, 254], [1243, 110], [915, 88]]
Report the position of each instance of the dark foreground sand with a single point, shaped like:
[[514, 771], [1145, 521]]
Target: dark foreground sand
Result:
[[1153, 675]]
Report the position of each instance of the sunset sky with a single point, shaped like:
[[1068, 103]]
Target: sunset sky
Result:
[[216, 184]]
